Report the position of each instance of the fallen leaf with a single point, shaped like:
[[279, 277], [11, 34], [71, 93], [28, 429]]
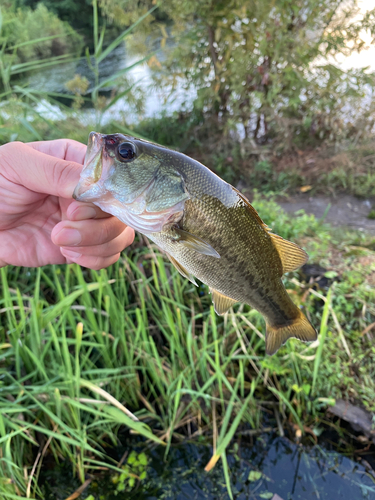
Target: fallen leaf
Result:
[[266, 494], [276, 497], [254, 475], [154, 62], [211, 464], [304, 189]]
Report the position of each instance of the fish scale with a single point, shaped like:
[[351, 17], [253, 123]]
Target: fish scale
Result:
[[241, 273], [208, 229]]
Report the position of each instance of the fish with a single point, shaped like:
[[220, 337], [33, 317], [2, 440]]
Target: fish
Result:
[[208, 229]]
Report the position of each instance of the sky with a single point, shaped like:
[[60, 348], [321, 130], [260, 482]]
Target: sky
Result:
[[366, 57]]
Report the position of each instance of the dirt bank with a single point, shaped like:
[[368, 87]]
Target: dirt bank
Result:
[[345, 210]]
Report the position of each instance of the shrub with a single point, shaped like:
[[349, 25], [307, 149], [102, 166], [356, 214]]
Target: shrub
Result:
[[22, 27]]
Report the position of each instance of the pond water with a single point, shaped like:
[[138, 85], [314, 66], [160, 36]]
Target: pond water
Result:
[[156, 99], [273, 468]]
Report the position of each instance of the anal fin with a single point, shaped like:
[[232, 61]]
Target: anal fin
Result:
[[221, 302], [184, 272]]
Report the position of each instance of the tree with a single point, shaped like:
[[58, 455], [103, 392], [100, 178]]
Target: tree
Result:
[[264, 62], [77, 13], [27, 35]]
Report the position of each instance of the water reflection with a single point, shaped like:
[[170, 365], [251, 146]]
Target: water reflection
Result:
[[156, 99], [269, 467]]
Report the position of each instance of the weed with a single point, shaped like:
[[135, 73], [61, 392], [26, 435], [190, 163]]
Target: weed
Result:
[[135, 469]]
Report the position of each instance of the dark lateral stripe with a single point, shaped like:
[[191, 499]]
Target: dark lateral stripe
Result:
[[276, 307]]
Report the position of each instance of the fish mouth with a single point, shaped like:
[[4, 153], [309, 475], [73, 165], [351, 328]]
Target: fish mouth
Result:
[[92, 168]]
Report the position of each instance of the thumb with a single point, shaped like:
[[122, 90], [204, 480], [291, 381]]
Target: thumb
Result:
[[38, 171]]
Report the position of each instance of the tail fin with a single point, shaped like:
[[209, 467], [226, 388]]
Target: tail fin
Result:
[[299, 327]]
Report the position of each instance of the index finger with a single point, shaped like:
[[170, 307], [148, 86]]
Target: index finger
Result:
[[64, 149]]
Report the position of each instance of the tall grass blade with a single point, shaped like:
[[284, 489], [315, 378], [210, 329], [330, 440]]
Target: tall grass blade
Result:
[[138, 427], [322, 336], [123, 35]]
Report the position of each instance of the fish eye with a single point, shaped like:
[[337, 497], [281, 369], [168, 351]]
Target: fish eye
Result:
[[127, 151]]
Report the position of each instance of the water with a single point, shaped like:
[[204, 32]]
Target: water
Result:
[[272, 466], [155, 99]]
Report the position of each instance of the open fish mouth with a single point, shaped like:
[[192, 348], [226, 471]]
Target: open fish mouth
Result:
[[92, 169], [96, 185]]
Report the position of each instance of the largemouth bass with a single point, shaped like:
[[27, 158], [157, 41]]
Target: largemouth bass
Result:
[[208, 229]]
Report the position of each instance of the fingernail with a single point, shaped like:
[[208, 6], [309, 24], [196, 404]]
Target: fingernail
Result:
[[70, 254], [69, 237], [82, 213]]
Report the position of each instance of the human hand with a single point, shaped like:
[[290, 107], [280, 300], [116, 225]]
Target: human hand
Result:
[[40, 223]]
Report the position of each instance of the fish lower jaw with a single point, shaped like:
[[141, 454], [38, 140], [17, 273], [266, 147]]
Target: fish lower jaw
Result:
[[87, 190], [145, 222]]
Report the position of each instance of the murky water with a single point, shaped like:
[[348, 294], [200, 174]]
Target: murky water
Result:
[[156, 99], [272, 466]]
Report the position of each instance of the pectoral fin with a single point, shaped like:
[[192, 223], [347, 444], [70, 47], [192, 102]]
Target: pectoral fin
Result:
[[195, 243], [221, 302], [184, 272], [291, 255]]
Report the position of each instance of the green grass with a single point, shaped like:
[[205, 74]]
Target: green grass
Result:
[[83, 354]]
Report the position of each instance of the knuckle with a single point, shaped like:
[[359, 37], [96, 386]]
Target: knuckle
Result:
[[9, 146], [108, 261], [130, 234], [61, 172], [58, 172], [112, 260], [97, 264], [105, 232]]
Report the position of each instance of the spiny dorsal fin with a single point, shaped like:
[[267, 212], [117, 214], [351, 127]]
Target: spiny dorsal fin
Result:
[[221, 302], [195, 243], [252, 210], [184, 272], [291, 255]]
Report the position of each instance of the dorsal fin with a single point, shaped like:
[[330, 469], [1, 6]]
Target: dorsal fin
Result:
[[221, 302], [252, 210], [184, 272], [291, 255]]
